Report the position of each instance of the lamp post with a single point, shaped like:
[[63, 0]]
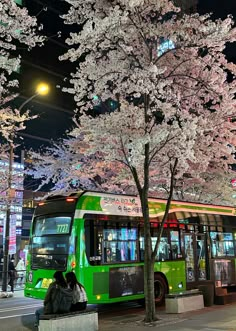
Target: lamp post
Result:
[[42, 89]]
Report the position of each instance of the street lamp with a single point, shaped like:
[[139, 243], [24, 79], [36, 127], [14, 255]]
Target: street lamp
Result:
[[42, 89]]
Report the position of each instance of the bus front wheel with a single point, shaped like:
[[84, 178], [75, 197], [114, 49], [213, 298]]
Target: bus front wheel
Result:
[[160, 289]]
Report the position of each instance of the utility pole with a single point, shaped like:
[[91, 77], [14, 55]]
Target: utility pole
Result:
[[8, 217]]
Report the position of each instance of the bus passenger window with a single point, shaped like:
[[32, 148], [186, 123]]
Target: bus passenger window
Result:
[[118, 255], [107, 254], [93, 240], [119, 245], [222, 244], [163, 252], [141, 254], [175, 245], [141, 248]]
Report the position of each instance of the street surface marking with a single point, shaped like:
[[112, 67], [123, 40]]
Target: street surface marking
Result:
[[19, 308], [4, 317]]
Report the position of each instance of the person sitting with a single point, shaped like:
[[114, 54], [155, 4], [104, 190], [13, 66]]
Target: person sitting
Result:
[[50, 298], [79, 301]]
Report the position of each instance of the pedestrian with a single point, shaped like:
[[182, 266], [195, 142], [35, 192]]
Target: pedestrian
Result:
[[57, 291], [79, 301], [20, 268], [12, 274]]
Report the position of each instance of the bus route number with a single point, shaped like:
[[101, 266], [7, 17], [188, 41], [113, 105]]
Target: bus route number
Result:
[[62, 228]]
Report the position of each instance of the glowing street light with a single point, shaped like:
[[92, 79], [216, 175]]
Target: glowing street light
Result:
[[42, 89]]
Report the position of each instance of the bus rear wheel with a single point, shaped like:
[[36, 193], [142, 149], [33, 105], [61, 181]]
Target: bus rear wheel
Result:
[[160, 289]]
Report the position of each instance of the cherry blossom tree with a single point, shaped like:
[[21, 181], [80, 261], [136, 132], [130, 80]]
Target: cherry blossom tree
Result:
[[211, 188], [169, 79], [51, 169], [16, 28]]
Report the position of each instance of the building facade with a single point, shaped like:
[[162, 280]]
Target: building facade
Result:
[[13, 200]]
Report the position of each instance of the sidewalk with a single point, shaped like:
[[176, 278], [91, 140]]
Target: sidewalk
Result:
[[215, 318]]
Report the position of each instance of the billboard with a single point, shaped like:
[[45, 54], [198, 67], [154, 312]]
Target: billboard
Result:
[[124, 281]]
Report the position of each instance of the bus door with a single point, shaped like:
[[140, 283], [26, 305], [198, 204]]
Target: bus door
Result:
[[201, 257], [195, 254]]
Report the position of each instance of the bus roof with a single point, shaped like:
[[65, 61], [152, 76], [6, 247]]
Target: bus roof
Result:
[[117, 204]]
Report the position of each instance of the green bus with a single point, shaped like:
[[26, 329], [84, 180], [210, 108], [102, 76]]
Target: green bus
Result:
[[100, 237]]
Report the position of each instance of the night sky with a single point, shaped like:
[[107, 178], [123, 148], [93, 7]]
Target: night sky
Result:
[[41, 64], [56, 109]]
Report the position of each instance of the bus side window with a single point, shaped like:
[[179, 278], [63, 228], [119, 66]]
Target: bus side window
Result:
[[117, 251], [141, 247], [118, 255], [107, 255], [175, 245], [93, 238]]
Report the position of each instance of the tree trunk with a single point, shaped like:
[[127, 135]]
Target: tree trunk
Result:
[[150, 309], [150, 253]]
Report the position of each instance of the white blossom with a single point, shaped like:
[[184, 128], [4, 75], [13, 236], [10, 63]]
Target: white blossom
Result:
[[120, 40], [16, 27]]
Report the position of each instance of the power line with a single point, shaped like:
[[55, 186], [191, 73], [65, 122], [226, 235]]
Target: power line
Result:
[[26, 135], [48, 7], [37, 66], [58, 42]]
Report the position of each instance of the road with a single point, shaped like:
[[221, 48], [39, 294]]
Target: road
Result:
[[17, 313]]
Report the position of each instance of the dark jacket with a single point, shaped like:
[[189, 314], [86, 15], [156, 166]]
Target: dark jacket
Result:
[[11, 269], [48, 301], [51, 304]]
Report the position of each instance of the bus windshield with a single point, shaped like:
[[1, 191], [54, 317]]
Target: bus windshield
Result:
[[50, 242], [46, 225]]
